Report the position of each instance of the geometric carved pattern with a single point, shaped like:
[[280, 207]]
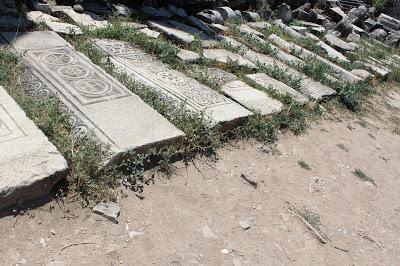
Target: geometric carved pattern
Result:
[[9, 129], [164, 79]]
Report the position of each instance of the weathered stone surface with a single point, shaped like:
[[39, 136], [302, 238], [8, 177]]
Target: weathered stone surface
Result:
[[364, 74], [344, 27], [29, 164], [210, 16], [291, 32], [305, 54], [251, 16], [188, 56], [245, 29], [336, 14], [195, 22], [299, 29], [190, 30], [86, 19], [216, 75], [279, 87], [284, 12], [226, 12], [251, 98], [313, 89], [150, 33], [134, 25], [64, 28], [218, 28], [338, 43], [109, 210], [353, 37], [378, 70], [261, 25], [224, 56], [146, 69], [171, 33], [179, 12], [38, 16], [123, 11], [379, 34], [332, 53], [312, 36], [94, 101]]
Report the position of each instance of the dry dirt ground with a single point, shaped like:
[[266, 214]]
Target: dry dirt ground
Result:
[[193, 216]]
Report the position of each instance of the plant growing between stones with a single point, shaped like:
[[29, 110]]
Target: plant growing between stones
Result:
[[360, 174], [304, 165]]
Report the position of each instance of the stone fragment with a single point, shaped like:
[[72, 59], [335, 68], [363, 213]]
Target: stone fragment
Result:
[[331, 52], [38, 16], [227, 13], [225, 56], [279, 87], [305, 54], [109, 210], [85, 19], [200, 25], [245, 29], [29, 164], [188, 56], [64, 28], [312, 36], [313, 16], [251, 98], [155, 13], [380, 71], [353, 37], [364, 74], [123, 10], [389, 21], [299, 29], [196, 97], [190, 30], [261, 25], [291, 32], [344, 27], [95, 102], [338, 43], [217, 75], [179, 12], [336, 14], [176, 35], [247, 223], [317, 30], [150, 33], [251, 16], [210, 16], [379, 34], [218, 28], [284, 12], [134, 25]]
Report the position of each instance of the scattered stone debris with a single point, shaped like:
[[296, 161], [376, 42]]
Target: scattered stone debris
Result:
[[247, 223], [109, 210]]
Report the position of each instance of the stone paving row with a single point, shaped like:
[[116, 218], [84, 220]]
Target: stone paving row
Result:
[[29, 164], [95, 101], [197, 97]]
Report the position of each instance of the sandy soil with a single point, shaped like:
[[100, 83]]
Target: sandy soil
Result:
[[193, 216]]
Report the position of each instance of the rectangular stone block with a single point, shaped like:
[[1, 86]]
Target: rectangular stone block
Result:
[[171, 33], [86, 19], [279, 87], [29, 164], [224, 56], [146, 69], [95, 101], [305, 54], [251, 98]]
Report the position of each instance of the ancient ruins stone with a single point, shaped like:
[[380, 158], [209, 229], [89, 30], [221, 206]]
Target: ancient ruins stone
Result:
[[109, 210], [38, 16], [344, 27], [53, 23], [245, 29], [86, 19], [364, 74], [284, 12], [305, 54], [299, 29], [171, 33], [379, 34], [227, 13], [200, 25], [251, 16], [389, 21], [133, 25], [210, 16], [220, 76], [179, 12], [218, 28], [291, 32], [279, 87], [95, 102], [146, 69], [380, 71], [188, 56], [338, 43], [331, 52], [251, 98], [336, 14], [150, 33], [353, 37], [261, 25], [29, 164], [224, 56]]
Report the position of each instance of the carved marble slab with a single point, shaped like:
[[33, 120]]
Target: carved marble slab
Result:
[[224, 56], [173, 84], [29, 164], [281, 88], [95, 101], [251, 98]]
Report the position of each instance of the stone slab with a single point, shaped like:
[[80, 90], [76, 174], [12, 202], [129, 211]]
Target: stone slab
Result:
[[308, 86], [53, 23], [362, 73], [86, 19], [305, 54], [224, 56], [195, 96], [95, 101], [29, 164], [279, 87], [216, 75], [188, 56], [289, 31], [378, 70], [339, 43], [134, 25], [191, 30], [150, 33], [331, 52], [259, 25], [176, 35], [38, 16], [251, 98], [245, 29]]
